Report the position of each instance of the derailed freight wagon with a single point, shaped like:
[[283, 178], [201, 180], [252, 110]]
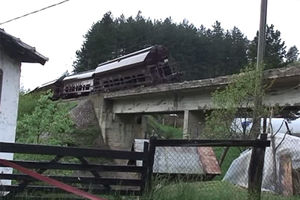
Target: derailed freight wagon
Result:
[[78, 84], [149, 66]]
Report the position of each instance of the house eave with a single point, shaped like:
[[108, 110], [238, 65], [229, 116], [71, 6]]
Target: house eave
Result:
[[19, 50]]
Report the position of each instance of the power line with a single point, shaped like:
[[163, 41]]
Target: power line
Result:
[[33, 12]]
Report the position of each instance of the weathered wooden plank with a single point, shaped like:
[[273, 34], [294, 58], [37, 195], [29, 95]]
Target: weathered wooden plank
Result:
[[285, 175], [67, 166], [208, 160], [45, 198], [24, 184], [255, 172], [145, 168], [70, 179], [70, 151], [151, 161]]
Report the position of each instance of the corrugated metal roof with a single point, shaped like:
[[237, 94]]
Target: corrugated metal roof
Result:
[[129, 59], [83, 75], [43, 86], [48, 83], [20, 50]]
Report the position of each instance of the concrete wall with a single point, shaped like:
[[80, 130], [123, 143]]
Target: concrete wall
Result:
[[118, 131], [9, 102]]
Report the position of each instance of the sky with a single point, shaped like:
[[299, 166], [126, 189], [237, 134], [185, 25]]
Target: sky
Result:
[[58, 32]]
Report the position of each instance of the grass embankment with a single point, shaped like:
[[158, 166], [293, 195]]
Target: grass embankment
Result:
[[233, 153], [163, 131]]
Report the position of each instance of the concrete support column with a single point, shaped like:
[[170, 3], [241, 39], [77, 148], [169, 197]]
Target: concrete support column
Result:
[[124, 129], [186, 115], [193, 124], [118, 130]]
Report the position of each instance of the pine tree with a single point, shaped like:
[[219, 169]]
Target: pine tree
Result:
[[292, 55], [275, 49]]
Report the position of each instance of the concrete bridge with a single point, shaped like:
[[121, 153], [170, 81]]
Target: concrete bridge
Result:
[[120, 113]]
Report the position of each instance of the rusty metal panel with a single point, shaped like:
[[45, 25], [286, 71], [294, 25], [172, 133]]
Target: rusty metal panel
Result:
[[209, 161]]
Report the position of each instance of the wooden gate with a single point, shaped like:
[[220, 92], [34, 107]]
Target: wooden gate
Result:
[[67, 164]]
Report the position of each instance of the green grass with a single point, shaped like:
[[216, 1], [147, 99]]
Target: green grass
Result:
[[164, 131], [232, 154], [209, 191], [212, 190]]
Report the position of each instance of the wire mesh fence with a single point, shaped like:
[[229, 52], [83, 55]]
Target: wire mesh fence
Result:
[[230, 160], [227, 162]]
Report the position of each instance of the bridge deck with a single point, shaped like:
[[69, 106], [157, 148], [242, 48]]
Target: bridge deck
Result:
[[289, 76]]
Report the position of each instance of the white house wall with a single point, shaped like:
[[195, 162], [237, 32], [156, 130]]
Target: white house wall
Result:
[[9, 103]]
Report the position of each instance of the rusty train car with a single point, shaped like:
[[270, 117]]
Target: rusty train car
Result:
[[146, 67], [77, 85]]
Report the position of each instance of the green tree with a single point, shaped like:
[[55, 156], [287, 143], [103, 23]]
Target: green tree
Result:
[[233, 103], [292, 55], [275, 49], [99, 45], [198, 52], [27, 103], [48, 123]]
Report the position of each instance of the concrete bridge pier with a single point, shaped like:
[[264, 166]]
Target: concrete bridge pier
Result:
[[123, 129], [193, 124], [118, 130]]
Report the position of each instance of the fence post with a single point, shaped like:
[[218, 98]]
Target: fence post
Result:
[[145, 167], [151, 161], [255, 172]]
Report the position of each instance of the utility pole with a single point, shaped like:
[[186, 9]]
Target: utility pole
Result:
[[255, 131], [262, 35], [256, 166]]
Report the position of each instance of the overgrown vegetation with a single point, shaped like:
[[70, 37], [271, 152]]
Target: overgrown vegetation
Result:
[[213, 190], [27, 103], [162, 131], [44, 121], [207, 190], [235, 107], [231, 155]]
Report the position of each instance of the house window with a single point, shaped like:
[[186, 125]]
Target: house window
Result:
[[1, 77]]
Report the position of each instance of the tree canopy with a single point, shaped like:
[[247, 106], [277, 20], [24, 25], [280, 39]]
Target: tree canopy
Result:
[[197, 52]]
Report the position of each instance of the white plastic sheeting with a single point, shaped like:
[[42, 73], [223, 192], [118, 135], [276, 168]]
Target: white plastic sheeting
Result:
[[238, 171]]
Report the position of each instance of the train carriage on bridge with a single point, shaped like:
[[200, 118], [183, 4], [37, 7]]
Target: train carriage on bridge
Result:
[[145, 67]]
